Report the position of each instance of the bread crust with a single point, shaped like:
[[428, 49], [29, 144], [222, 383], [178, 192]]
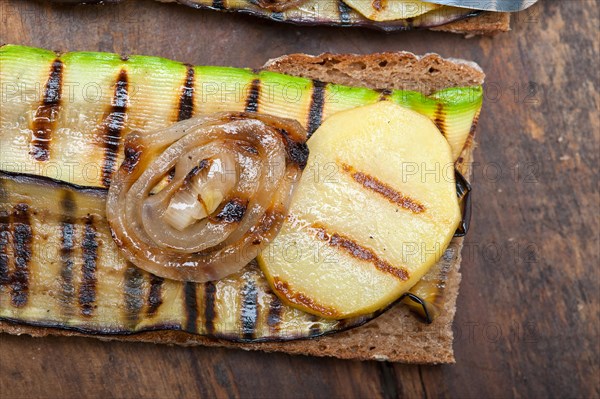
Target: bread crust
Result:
[[488, 24], [390, 70], [396, 335]]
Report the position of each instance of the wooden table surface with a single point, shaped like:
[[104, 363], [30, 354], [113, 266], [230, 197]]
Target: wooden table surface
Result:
[[527, 323]]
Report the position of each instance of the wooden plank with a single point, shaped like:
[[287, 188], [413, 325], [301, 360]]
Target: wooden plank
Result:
[[527, 320]]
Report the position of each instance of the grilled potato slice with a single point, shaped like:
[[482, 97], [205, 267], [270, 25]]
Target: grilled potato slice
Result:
[[391, 10], [375, 209]]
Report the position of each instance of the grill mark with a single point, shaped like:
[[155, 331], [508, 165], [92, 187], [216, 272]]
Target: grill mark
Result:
[[186, 100], [297, 151], [4, 243], [67, 206], [233, 211], [22, 240], [299, 298], [47, 113], [191, 174], [356, 250], [275, 313], [385, 95], [344, 11], [253, 96], [218, 4], [210, 312], [133, 292], [132, 157], [113, 127], [171, 175], [250, 149], [249, 310], [440, 118], [155, 295], [471, 136], [191, 308], [315, 328], [272, 217], [384, 190], [87, 290], [317, 102]]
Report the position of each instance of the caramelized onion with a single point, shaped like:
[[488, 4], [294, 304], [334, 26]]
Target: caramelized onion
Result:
[[198, 200]]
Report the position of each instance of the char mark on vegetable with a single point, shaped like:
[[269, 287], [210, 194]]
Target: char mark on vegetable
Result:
[[344, 11], [356, 250], [249, 310], [46, 115], [67, 205], [315, 328], [297, 151], [22, 250], [218, 4], [471, 135], [253, 96], [233, 211], [155, 295], [191, 308], [275, 313], [389, 193], [385, 94], [186, 100], [210, 312], [299, 298], [317, 103], [113, 126], [440, 118], [87, 290], [132, 158], [134, 294]]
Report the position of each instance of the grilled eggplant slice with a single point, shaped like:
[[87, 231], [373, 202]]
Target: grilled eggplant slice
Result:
[[59, 267]]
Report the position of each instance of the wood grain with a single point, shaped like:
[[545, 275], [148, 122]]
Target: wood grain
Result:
[[528, 314]]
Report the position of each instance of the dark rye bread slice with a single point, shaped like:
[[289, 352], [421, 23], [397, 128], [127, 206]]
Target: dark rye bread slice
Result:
[[488, 23], [396, 335]]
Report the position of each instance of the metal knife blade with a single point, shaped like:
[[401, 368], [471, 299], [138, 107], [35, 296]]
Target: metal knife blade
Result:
[[488, 5]]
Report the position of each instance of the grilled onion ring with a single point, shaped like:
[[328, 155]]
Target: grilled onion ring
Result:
[[198, 200]]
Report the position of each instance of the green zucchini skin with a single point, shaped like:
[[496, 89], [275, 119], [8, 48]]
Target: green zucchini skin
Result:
[[65, 116]]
